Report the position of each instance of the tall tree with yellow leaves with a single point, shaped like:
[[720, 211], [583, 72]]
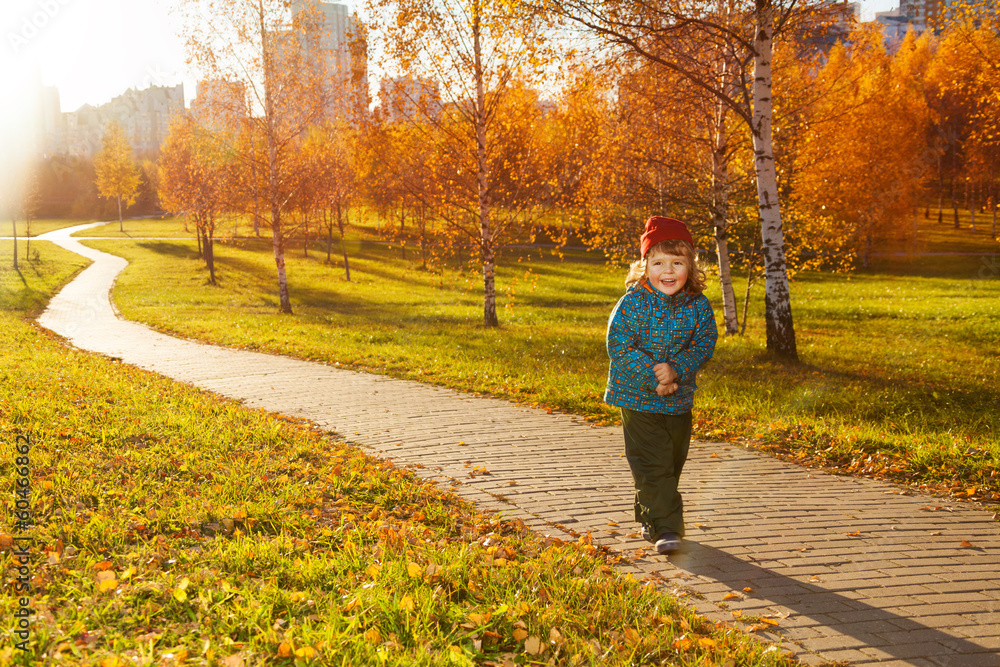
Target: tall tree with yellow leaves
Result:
[[472, 50], [118, 175], [261, 49]]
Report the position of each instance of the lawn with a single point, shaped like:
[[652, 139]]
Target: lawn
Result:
[[39, 227], [898, 375], [176, 527]]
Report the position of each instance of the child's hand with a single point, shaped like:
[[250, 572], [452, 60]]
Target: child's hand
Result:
[[666, 388], [664, 373]]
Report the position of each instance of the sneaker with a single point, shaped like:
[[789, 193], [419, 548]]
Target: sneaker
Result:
[[668, 543], [645, 534]]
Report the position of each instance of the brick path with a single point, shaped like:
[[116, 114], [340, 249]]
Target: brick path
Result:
[[851, 570]]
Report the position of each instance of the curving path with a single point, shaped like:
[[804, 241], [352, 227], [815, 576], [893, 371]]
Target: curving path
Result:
[[851, 570]]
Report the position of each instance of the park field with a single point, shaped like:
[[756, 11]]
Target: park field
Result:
[[898, 375], [150, 547]]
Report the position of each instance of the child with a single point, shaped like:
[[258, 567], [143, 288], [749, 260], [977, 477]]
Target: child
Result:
[[659, 335]]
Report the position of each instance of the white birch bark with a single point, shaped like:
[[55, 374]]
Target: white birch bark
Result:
[[268, 48], [777, 298], [486, 240], [720, 210]]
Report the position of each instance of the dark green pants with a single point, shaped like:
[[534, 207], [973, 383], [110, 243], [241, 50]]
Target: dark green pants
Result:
[[656, 447]]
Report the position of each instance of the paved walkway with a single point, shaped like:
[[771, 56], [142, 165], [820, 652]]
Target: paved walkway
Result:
[[851, 570]]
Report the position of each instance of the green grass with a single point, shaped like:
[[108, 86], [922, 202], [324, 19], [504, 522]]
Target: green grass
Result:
[[166, 227], [177, 527], [39, 227], [899, 374]]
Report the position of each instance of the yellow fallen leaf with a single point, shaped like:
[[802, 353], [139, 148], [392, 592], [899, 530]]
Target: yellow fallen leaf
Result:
[[306, 652], [520, 634], [285, 650], [706, 642], [748, 590], [769, 621], [533, 645], [351, 606], [372, 571], [127, 574], [107, 585], [476, 619], [555, 636], [731, 596], [406, 603], [373, 636], [180, 595], [632, 636], [854, 534], [414, 570]]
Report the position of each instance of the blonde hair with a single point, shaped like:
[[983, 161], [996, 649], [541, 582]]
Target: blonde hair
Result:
[[697, 281]]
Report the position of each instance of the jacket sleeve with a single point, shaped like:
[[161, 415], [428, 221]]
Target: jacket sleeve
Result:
[[627, 358], [689, 360]]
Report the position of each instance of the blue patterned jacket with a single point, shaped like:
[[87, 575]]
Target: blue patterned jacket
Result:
[[648, 327]]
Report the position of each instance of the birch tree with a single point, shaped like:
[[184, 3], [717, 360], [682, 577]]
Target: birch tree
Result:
[[689, 38], [260, 49], [473, 50], [118, 175], [192, 174]]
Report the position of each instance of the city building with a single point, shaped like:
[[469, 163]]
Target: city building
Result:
[[405, 98], [219, 104], [344, 56], [144, 115]]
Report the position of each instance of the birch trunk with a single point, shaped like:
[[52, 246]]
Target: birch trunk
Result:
[[720, 215], [486, 240], [268, 46], [343, 243], [777, 299]]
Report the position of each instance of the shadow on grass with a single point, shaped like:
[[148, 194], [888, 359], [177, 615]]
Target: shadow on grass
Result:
[[179, 249]]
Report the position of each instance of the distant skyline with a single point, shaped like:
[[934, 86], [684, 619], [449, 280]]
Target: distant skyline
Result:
[[94, 50]]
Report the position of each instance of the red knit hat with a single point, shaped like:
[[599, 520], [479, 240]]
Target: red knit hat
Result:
[[659, 229]]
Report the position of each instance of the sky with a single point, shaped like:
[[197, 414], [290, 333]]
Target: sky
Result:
[[93, 50]]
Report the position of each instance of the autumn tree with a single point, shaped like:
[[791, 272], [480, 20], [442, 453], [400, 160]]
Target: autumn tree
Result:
[[192, 174], [861, 198], [270, 54], [695, 40], [118, 175], [473, 50]]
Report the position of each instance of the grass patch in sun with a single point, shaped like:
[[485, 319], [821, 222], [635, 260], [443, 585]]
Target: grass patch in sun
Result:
[[177, 527]]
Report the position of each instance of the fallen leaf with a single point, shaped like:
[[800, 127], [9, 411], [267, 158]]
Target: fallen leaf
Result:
[[373, 636], [533, 645], [706, 642], [406, 603], [520, 634], [414, 570], [285, 650], [555, 636], [306, 653], [854, 534], [966, 544], [731, 596], [769, 621], [713, 455], [235, 660], [749, 590], [632, 636]]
